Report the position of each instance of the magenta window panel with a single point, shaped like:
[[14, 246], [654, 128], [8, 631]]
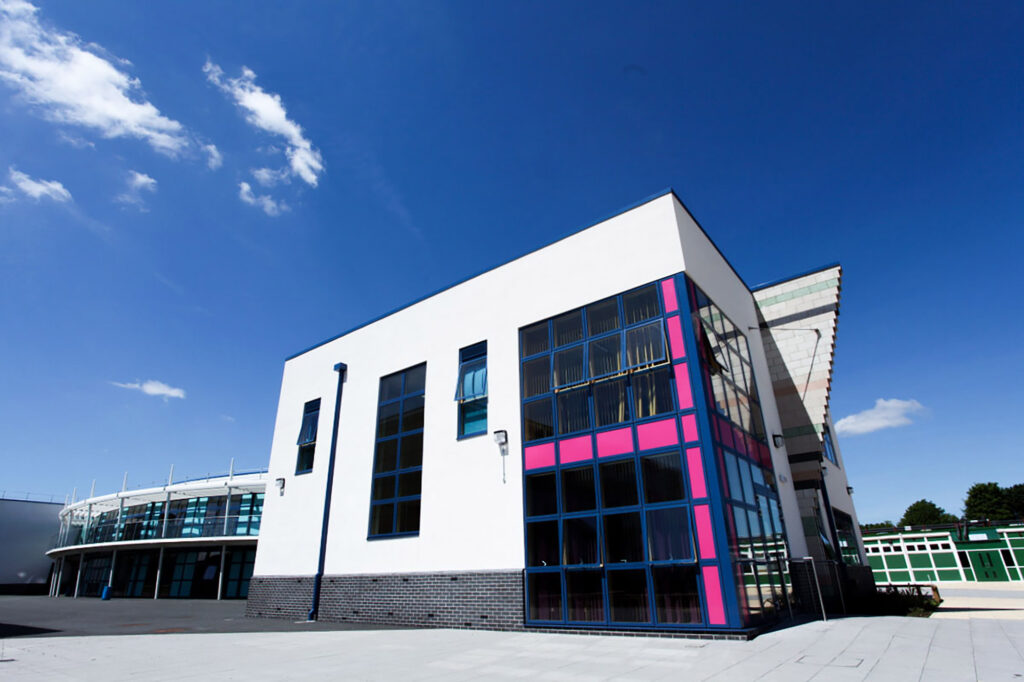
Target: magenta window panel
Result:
[[575, 450], [657, 434], [675, 338], [538, 456], [705, 536], [725, 434], [713, 592], [617, 442], [689, 428], [766, 457], [668, 293], [683, 386], [738, 439], [694, 464]]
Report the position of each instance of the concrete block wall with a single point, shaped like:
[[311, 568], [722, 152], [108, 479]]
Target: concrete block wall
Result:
[[280, 596]]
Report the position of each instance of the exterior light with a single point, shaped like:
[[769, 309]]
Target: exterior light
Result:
[[778, 440], [501, 437], [279, 484]]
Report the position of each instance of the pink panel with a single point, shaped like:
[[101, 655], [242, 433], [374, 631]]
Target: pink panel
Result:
[[713, 592], [689, 428], [668, 293], [683, 386], [725, 434], [705, 536], [575, 449], [766, 457], [617, 442], [538, 456], [657, 434], [739, 442], [698, 488], [675, 338]]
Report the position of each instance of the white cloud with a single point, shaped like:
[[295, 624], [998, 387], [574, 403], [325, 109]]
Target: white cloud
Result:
[[886, 414], [268, 177], [37, 189], [214, 159], [265, 110], [6, 195], [74, 140], [155, 388], [267, 203], [137, 184], [75, 83]]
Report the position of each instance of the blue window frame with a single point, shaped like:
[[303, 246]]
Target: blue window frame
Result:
[[398, 455], [307, 437], [830, 448], [471, 392]]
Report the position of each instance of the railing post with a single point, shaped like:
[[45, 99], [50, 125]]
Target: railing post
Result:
[[839, 586], [227, 508], [220, 575], [817, 586], [167, 515], [113, 565], [78, 575], [159, 567]]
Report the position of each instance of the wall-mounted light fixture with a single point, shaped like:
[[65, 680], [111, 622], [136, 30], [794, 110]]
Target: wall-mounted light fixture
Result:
[[849, 490], [279, 484], [778, 440], [501, 438]]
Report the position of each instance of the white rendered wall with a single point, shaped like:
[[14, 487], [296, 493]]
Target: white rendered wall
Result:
[[469, 519], [710, 271]]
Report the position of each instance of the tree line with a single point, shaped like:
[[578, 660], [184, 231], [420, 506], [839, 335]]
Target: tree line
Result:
[[984, 501]]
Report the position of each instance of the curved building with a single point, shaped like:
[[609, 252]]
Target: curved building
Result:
[[192, 539]]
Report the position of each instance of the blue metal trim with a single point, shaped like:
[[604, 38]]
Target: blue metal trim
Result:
[[774, 282], [342, 370]]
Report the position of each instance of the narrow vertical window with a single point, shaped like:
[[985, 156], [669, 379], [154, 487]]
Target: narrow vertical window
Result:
[[471, 393], [307, 437], [398, 454]]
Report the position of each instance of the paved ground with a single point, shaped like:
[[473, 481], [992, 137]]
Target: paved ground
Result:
[[889, 648], [1004, 601]]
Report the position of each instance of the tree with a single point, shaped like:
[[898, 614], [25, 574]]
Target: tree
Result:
[[925, 513], [1015, 500], [878, 525], [987, 501]]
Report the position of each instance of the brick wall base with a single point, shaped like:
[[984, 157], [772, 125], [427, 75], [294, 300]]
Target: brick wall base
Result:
[[280, 596]]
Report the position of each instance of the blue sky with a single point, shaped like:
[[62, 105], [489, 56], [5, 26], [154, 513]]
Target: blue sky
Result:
[[191, 192]]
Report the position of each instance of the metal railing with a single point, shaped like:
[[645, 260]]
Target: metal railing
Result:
[[127, 530]]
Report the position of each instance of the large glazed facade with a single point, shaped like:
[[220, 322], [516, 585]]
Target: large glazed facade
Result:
[[584, 437], [190, 539]]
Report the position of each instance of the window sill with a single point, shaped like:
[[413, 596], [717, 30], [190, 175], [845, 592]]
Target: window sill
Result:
[[471, 435], [392, 536], [303, 471]]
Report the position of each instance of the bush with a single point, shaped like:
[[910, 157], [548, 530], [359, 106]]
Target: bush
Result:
[[918, 601]]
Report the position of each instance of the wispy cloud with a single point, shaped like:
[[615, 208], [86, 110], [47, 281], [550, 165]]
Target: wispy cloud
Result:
[[39, 189], [265, 202], [268, 177], [6, 195], [154, 388], [74, 140], [266, 111], [137, 184], [74, 83], [214, 159], [886, 414]]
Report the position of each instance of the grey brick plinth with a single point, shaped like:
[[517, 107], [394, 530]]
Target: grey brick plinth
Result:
[[280, 596]]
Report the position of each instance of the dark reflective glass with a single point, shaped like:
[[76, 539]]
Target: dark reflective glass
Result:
[[387, 419], [381, 516], [410, 483], [640, 305], [412, 413], [407, 517], [579, 541], [390, 387], [541, 494], [542, 543], [568, 328], [383, 488], [536, 376], [605, 356], [584, 596], [411, 454], [618, 483], [573, 411], [603, 317], [539, 422], [627, 596], [568, 366], [545, 596], [610, 406], [676, 597], [415, 379], [578, 490], [645, 345], [534, 339], [668, 534], [386, 456], [663, 477], [652, 392], [623, 538]]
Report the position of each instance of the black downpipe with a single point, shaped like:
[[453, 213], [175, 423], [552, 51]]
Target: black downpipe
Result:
[[342, 369]]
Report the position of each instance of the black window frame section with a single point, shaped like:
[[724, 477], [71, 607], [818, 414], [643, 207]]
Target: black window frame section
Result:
[[395, 466], [306, 455], [469, 359]]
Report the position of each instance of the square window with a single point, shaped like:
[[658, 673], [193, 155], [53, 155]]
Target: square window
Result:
[[652, 392], [668, 535], [541, 494], [534, 339], [544, 595], [605, 356], [412, 413], [603, 317], [645, 345], [663, 478], [623, 538], [536, 376], [610, 405], [538, 420], [407, 516], [618, 483], [383, 488], [578, 490], [584, 596], [573, 411], [386, 456], [627, 596], [676, 596], [579, 541], [542, 543], [304, 463], [568, 328], [640, 304], [568, 367]]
